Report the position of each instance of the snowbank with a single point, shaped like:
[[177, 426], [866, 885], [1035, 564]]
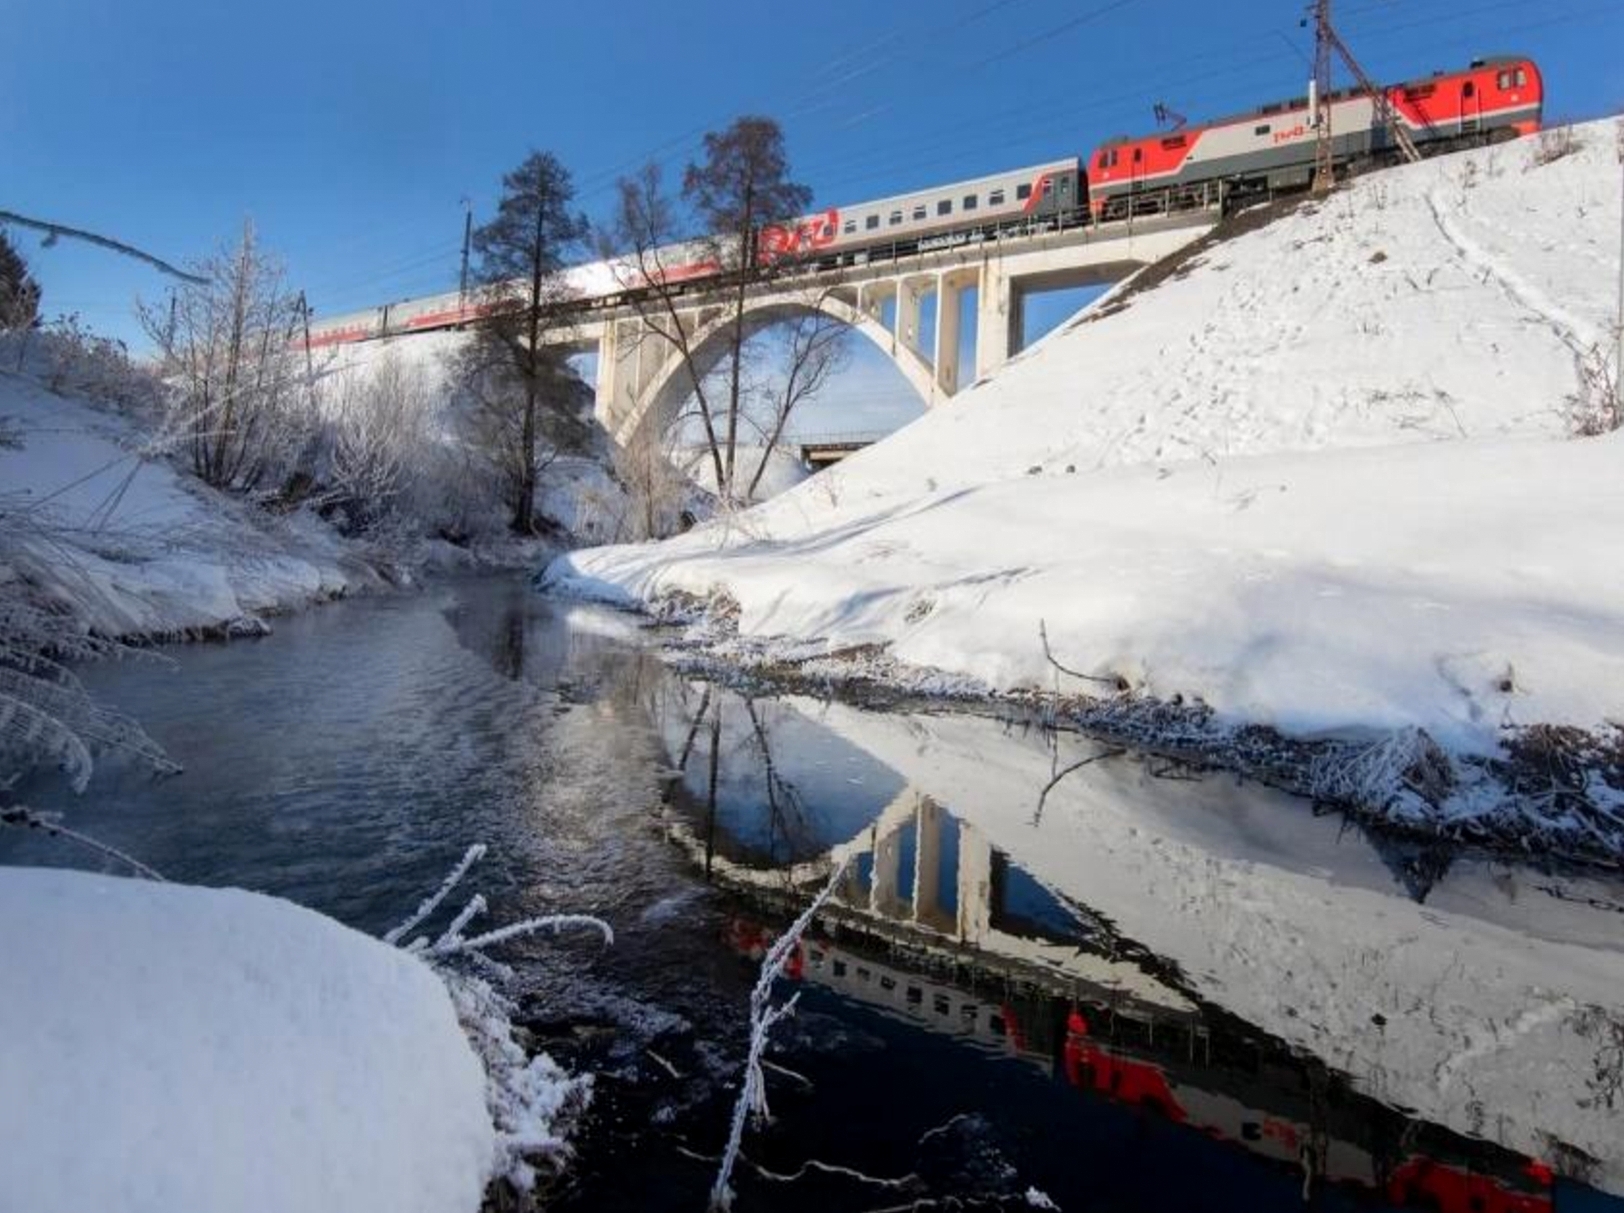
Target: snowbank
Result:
[[136, 547], [783, 471], [168, 1048], [1314, 486]]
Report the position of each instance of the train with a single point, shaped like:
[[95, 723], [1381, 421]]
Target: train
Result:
[[1226, 164]]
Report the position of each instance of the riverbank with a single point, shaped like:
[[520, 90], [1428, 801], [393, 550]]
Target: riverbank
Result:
[[103, 525], [1314, 507]]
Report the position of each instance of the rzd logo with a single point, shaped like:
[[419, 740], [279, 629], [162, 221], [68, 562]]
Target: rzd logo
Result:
[[817, 232]]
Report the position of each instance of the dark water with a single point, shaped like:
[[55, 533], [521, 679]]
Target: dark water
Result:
[[1046, 968]]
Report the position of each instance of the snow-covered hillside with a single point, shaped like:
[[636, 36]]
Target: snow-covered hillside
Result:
[[1320, 481], [136, 547]]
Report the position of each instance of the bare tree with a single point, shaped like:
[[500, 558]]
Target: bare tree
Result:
[[381, 430], [739, 188], [521, 383], [656, 487], [234, 389], [815, 350]]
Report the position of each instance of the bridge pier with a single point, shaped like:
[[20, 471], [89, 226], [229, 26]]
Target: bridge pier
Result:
[[997, 318]]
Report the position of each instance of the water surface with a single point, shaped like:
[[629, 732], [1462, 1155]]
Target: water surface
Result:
[[1047, 966]]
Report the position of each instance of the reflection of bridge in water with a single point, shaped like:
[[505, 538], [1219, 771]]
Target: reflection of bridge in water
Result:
[[921, 879], [934, 925]]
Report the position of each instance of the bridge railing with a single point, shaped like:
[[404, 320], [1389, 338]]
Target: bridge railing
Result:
[[850, 438]]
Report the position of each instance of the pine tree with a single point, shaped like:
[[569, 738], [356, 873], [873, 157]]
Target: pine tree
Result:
[[522, 255], [19, 293]]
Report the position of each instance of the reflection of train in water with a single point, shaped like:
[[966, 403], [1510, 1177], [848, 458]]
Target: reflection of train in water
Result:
[[1218, 1080]]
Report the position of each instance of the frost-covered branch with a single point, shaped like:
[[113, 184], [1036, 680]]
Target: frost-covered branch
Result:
[[55, 231], [432, 903], [552, 922], [17, 815], [530, 1099], [763, 1015]]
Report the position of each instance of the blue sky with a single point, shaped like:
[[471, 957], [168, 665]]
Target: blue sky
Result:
[[351, 132]]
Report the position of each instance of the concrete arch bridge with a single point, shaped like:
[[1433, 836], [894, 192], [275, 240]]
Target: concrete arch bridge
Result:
[[641, 371]]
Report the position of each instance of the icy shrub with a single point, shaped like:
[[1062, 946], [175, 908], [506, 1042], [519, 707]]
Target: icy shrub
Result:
[[1555, 143], [1595, 409], [71, 360], [531, 1100], [46, 714], [377, 439]]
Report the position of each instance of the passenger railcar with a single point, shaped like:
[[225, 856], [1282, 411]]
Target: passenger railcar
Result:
[[1034, 192]]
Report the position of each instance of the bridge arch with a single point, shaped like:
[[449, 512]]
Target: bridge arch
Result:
[[671, 383]]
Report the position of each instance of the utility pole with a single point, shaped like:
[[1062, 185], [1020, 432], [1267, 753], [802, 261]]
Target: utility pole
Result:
[[1320, 99], [310, 367], [1328, 43], [1618, 366], [467, 241]]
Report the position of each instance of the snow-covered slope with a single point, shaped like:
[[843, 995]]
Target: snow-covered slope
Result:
[[165, 1048], [1444, 300], [1250, 484], [136, 547]]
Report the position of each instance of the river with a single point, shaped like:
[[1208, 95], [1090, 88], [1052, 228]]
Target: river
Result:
[[1048, 967]]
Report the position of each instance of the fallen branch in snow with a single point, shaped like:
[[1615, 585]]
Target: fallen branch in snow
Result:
[[1116, 682], [763, 1015]]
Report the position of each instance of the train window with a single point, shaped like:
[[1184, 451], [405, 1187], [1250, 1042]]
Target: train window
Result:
[[1469, 89], [944, 206], [1138, 155], [919, 212], [851, 226], [840, 968], [1522, 78], [896, 218], [1263, 130], [1023, 191], [1174, 143], [872, 222], [970, 202], [996, 198], [888, 983], [1048, 187]]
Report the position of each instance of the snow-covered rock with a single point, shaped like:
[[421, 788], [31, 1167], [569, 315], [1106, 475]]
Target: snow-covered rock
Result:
[[1321, 481], [165, 1047]]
